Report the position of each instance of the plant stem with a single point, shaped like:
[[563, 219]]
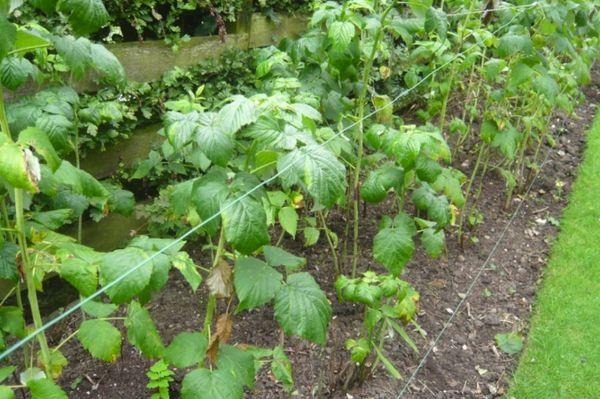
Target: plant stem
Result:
[[212, 299], [29, 278], [482, 150], [336, 263], [361, 113]]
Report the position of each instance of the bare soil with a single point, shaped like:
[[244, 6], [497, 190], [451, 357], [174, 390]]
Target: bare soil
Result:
[[464, 364]]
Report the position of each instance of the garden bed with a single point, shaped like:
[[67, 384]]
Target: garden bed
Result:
[[465, 363]]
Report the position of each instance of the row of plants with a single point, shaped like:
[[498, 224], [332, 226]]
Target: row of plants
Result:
[[173, 21], [318, 135]]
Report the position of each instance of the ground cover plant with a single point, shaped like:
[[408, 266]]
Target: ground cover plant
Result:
[[318, 136]]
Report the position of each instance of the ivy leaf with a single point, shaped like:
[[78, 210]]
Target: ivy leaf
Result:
[[281, 367], [256, 283], [101, 339], [211, 384], [217, 144], [186, 349], [380, 181], [278, 257], [288, 218], [8, 261], [302, 308], [85, 16], [509, 343], [15, 169], [80, 274], [141, 331], [341, 34], [433, 241], [245, 224], [239, 363], [318, 170], [115, 264], [14, 71], [45, 389], [393, 248]]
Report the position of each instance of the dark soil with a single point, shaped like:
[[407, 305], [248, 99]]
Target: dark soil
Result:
[[464, 364]]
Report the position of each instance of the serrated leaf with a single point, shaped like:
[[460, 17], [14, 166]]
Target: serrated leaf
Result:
[[302, 308], [98, 309], [281, 367], [14, 71], [210, 136], [436, 21], [76, 53], [85, 16], [26, 41], [107, 64], [278, 257], [375, 188], [512, 43], [341, 34], [12, 321], [187, 267], [82, 183], [311, 236], [117, 263], [256, 283], [80, 274], [45, 389], [101, 339], [236, 114], [393, 248], [8, 261], [211, 384], [288, 218], [507, 141], [427, 169], [239, 363], [317, 170], [186, 349], [39, 140], [15, 169], [433, 241], [8, 33], [219, 280], [142, 332], [245, 224], [509, 343]]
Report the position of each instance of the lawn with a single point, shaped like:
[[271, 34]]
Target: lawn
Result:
[[562, 356]]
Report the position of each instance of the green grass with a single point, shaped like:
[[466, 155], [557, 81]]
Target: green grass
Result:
[[562, 356]]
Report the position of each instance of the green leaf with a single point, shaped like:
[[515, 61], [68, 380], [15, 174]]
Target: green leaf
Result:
[[142, 332], [82, 183], [80, 274], [511, 44], [107, 64], [186, 349], [507, 141], [47, 6], [546, 85], [12, 321], [281, 367], [39, 140], [101, 339], [45, 389], [311, 236], [211, 384], [8, 33], [115, 264], [489, 130], [5, 372], [318, 170], [256, 283], [210, 136], [510, 343], [8, 261], [58, 129], [245, 224], [6, 392], [188, 269], [302, 308], [14, 71], [388, 365], [433, 241], [341, 34], [235, 115], [98, 309], [26, 41], [393, 248], [76, 53], [288, 218], [492, 68], [15, 169], [278, 257], [436, 21], [85, 16], [380, 181], [239, 363], [427, 169]]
